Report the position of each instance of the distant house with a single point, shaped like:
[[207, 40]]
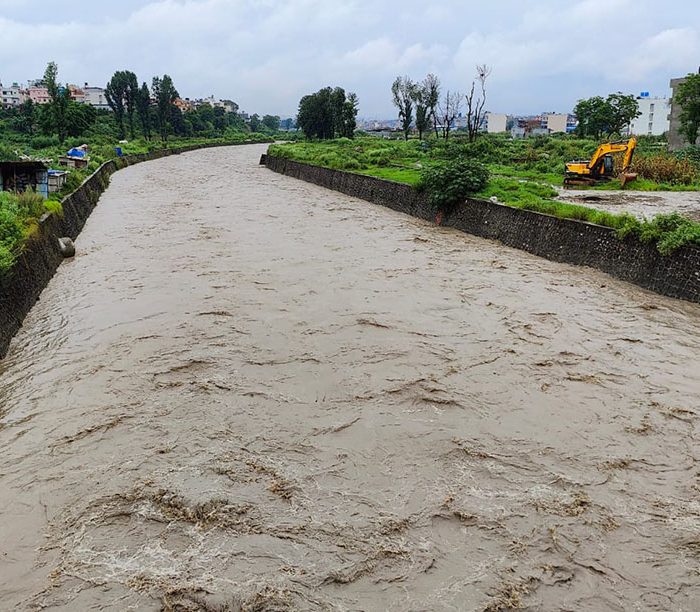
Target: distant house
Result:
[[95, 96], [556, 123], [12, 95], [18, 176], [184, 105], [38, 93], [654, 116], [496, 123]]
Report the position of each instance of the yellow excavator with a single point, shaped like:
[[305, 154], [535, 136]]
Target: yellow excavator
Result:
[[601, 167]]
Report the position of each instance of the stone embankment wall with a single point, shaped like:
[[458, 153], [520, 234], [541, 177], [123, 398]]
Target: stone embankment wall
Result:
[[565, 240], [21, 286]]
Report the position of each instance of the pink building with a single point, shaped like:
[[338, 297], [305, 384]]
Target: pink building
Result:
[[38, 94]]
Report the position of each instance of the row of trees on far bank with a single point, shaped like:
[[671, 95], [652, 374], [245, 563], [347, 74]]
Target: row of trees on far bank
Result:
[[136, 110]]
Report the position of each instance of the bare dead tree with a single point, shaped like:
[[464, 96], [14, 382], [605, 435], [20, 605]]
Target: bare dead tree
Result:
[[477, 101], [448, 109]]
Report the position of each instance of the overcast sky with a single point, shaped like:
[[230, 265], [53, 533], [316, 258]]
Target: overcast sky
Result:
[[266, 54]]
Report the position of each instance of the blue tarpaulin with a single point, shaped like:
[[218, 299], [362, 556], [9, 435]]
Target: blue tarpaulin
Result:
[[76, 153]]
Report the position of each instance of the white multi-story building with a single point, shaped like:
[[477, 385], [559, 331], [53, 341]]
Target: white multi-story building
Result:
[[95, 96], [11, 95], [654, 118]]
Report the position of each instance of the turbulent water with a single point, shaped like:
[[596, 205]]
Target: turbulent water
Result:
[[248, 392]]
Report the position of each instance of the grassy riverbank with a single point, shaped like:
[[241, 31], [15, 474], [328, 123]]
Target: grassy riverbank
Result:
[[523, 174]]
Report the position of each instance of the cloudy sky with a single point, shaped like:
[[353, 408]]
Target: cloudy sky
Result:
[[266, 54]]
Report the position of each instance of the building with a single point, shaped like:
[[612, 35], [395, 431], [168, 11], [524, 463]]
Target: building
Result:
[[19, 176], [675, 139], [184, 105], [11, 95], [654, 116], [556, 123], [95, 96], [76, 94], [496, 123], [38, 93]]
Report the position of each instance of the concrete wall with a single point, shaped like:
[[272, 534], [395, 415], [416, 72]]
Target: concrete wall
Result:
[[569, 241], [21, 286]]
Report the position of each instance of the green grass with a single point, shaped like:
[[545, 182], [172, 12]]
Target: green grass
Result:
[[523, 175]]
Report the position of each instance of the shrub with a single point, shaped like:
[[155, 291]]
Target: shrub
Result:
[[449, 183], [666, 169]]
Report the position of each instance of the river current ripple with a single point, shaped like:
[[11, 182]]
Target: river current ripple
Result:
[[250, 393]]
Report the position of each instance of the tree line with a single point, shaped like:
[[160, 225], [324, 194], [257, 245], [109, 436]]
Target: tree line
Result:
[[437, 109], [136, 109]]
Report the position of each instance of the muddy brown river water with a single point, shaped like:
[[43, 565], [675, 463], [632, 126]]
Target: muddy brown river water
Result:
[[247, 392]]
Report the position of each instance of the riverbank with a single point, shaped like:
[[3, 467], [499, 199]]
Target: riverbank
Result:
[[566, 240], [22, 284]]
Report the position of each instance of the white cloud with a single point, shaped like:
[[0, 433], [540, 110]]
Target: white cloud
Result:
[[266, 54]]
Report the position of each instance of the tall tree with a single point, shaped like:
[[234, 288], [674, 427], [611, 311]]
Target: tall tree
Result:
[[688, 97], [476, 102], [115, 92], [431, 84], [131, 96], [425, 98], [143, 109], [328, 113], [448, 109], [165, 94], [402, 93], [350, 108], [58, 101]]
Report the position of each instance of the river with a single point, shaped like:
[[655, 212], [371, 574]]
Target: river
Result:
[[250, 393]]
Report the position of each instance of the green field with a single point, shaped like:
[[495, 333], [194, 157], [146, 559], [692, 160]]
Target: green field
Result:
[[523, 174]]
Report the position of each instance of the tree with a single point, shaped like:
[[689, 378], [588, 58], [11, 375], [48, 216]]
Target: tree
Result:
[[476, 102], [425, 98], [403, 92], [328, 113], [448, 110], [131, 96], [26, 117], [255, 123], [432, 97], [271, 122], [350, 108], [116, 92], [58, 102], [597, 116], [79, 118], [143, 110], [165, 94], [688, 98]]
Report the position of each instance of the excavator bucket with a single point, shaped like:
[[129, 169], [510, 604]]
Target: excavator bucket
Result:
[[627, 177]]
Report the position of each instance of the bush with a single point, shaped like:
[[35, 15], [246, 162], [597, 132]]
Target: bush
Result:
[[449, 183], [666, 169]]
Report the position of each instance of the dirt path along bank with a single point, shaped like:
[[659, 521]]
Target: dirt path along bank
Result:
[[250, 392]]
